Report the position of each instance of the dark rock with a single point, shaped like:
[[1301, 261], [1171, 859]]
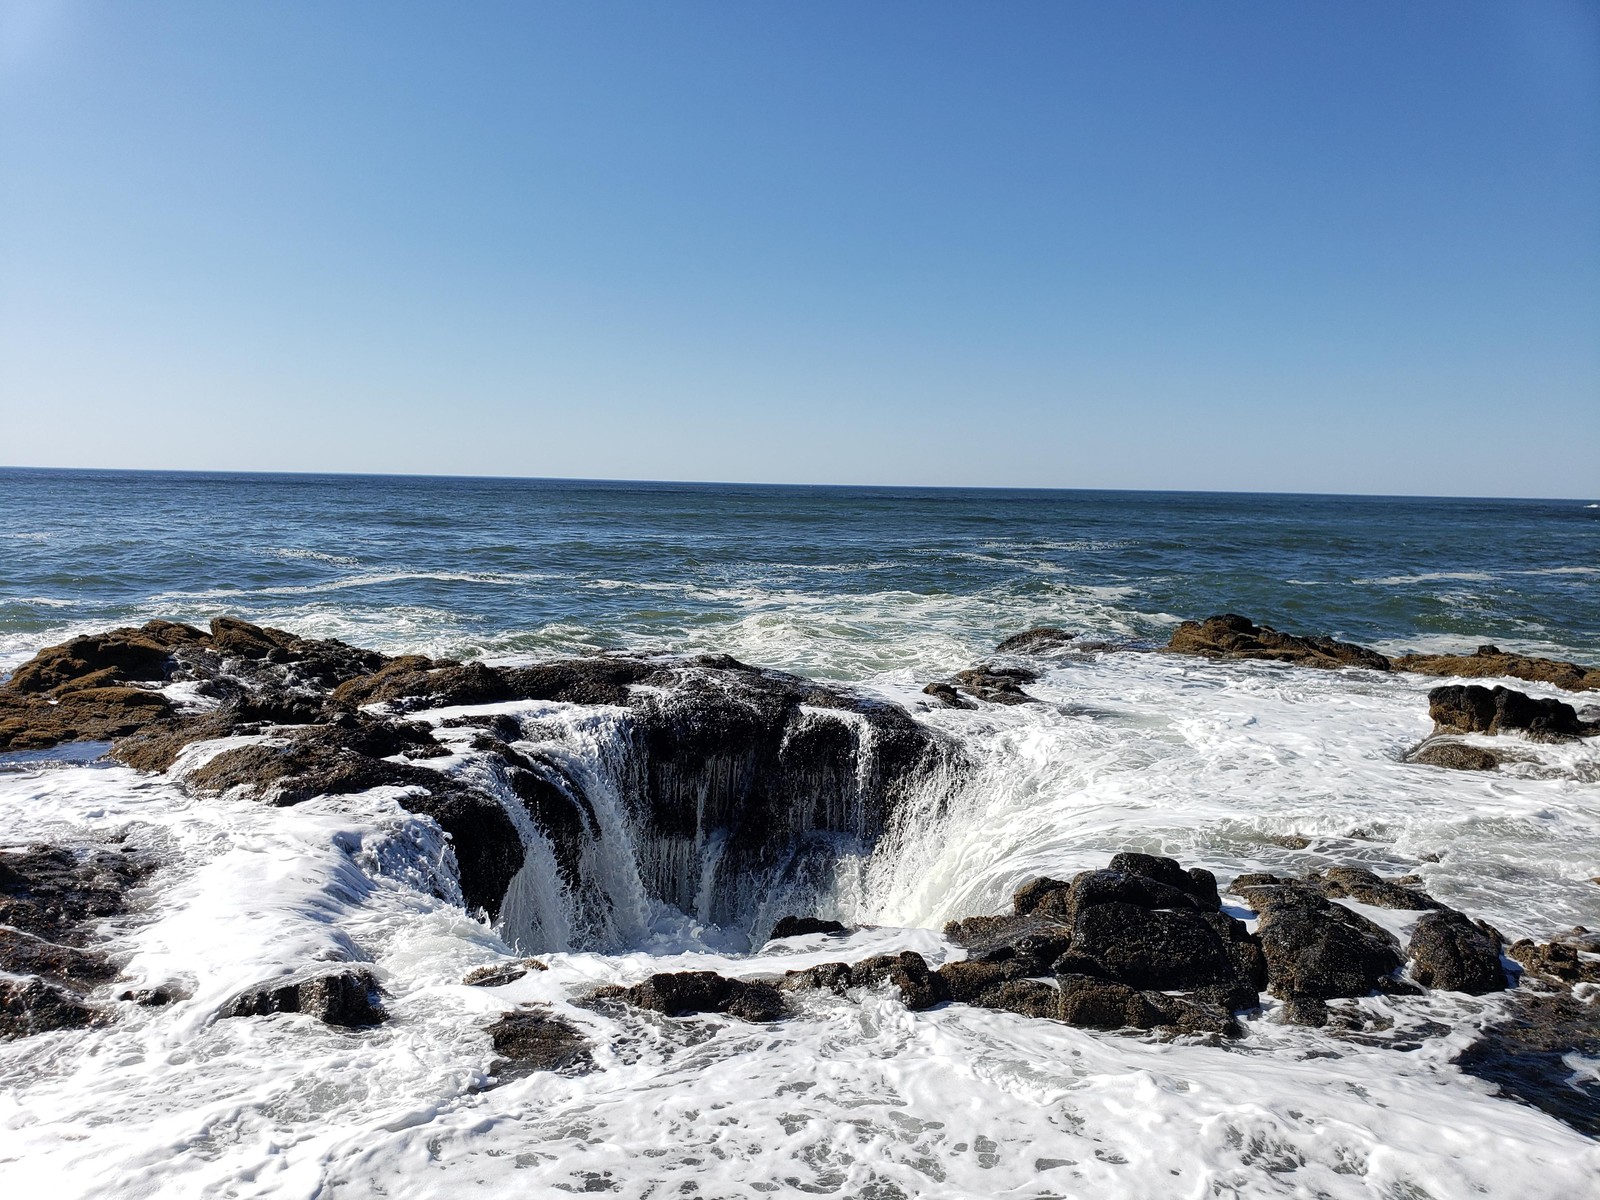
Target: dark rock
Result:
[[1363, 886], [1233, 636], [969, 979], [919, 987], [1032, 943], [156, 997], [533, 1038], [1469, 708], [32, 1005], [156, 745], [1527, 1055], [1306, 1010], [831, 977], [1030, 896], [1093, 1003], [788, 927], [683, 993], [1453, 755], [1025, 997], [58, 894], [1316, 948], [1496, 665], [1555, 961], [1450, 952], [1154, 949], [24, 954], [1039, 640], [996, 685], [119, 656], [500, 974], [1196, 881], [346, 996], [947, 696], [34, 722]]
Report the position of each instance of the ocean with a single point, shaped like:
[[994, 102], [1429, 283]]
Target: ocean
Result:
[[1232, 766]]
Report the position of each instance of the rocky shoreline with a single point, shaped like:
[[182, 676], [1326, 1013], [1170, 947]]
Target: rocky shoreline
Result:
[[778, 772]]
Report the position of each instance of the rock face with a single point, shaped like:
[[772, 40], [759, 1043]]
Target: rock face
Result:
[[347, 996], [1469, 708], [533, 1038], [684, 993], [51, 900], [1229, 635], [1493, 663]]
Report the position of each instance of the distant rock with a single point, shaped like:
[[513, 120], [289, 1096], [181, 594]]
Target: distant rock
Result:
[[1232, 636], [1493, 663], [346, 996], [996, 685]]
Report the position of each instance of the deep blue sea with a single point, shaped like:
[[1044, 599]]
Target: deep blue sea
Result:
[[844, 582]]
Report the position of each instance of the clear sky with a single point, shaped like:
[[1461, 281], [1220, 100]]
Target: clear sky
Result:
[[1350, 245]]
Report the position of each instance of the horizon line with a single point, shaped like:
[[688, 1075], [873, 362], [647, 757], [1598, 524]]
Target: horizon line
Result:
[[730, 483]]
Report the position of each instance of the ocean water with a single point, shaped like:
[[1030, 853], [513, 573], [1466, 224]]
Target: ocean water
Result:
[[1230, 766]]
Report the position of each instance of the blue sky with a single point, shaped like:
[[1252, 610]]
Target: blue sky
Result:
[[1343, 246]]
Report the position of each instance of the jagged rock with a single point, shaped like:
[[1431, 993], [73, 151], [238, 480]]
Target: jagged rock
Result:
[[919, 986], [1025, 997], [1161, 950], [500, 974], [1555, 961], [533, 1038], [1451, 952], [1030, 896], [683, 993], [57, 894], [968, 979], [996, 685], [829, 977], [1490, 662], [1039, 640], [1363, 886], [1094, 1003], [1316, 948], [1232, 636], [1469, 708], [1456, 756], [1528, 1054], [788, 927], [347, 996], [118, 656], [33, 1005]]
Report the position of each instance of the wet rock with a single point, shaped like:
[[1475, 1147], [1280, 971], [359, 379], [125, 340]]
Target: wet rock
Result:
[[155, 997], [1318, 949], [157, 745], [947, 696], [1365, 887], [1306, 1010], [34, 722], [1469, 708], [919, 986], [58, 894], [24, 954], [788, 927], [1196, 881], [996, 685], [1039, 640], [31, 1006], [1455, 954], [1492, 663], [500, 974], [1454, 755], [1030, 896], [1555, 961], [1031, 943], [829, 977], [533, 1038], [1025, 997], [684, 993], [118, 656], [345, 996], [1160, 949], [1089, 1002], [968, 979], [1232, 636], [1528, 1054]]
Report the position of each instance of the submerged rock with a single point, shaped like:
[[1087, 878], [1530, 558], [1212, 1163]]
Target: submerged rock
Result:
[[500, 974], [1469, 708], [1558, 962], [1232, 636], [32, 1005], [685, 993], [1528, 1055], [1493, 663], [533, 1038], [996, 685], [1039, 640], [347, 996], [1454, 755]]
